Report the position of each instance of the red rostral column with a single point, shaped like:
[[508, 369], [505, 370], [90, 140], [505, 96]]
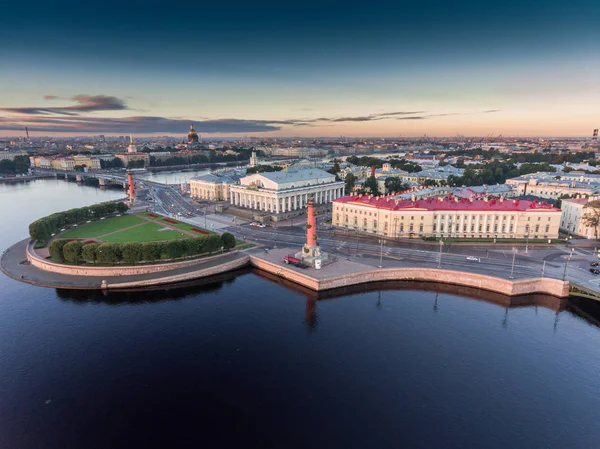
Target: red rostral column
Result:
[[311, 224], [131, 186], [372, 171]]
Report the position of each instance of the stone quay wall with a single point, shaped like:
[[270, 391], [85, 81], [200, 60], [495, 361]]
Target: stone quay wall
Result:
[[550, 286], [124, 270], [189, 276]]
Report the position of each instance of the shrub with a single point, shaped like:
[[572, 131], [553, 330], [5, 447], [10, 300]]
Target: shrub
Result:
[[72, 251], [56, 250], [152, 251]]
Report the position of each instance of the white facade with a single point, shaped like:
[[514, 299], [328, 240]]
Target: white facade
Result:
[[285, 191], [571, 220]]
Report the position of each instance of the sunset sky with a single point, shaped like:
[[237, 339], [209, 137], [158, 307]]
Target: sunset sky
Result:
[[386, 68]]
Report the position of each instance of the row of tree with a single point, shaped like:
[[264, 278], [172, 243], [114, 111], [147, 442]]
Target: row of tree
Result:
[[18, 165], [43, 229], [263, 169], [76, 252]]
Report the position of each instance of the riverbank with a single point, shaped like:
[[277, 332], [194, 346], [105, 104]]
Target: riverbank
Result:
[[17, 264]]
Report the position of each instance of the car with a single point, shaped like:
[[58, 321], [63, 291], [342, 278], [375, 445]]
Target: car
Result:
[[473, 258], [262, 225], [594, 271], [594, 264]]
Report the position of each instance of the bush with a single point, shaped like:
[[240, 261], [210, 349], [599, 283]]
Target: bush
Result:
[[212, 243], [56, 250], [72, 251], [227, 240]]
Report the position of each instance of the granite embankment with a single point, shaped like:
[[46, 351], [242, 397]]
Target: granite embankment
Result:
[[20, 262]]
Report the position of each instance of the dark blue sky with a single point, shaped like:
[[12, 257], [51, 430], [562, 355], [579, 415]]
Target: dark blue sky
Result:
[[272, 60]]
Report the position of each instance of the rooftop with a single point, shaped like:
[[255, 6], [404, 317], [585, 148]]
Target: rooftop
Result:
[[449, 203]]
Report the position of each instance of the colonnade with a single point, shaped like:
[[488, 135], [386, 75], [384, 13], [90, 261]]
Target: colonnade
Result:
[[281, 202]]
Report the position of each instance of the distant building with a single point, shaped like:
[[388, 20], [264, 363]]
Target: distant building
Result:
[[285, 191], [211, 187], [10, 155], [550, 185], [192, 135], [132, 155], [67, 163], [572, 218], [446, 217]]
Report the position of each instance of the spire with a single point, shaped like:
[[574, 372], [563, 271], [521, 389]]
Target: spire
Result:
[[131, 138]]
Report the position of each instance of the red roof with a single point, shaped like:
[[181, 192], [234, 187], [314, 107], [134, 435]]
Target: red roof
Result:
[[450, 203]]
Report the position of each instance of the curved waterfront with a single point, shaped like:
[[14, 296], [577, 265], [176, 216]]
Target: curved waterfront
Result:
[[247, 360]]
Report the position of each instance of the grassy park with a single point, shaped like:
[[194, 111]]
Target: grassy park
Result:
[[137, 228]]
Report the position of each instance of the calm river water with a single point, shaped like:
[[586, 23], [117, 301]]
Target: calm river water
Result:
[[249, 362]]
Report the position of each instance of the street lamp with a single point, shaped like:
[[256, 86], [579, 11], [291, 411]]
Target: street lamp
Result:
[[566, 264], [512, 270], [381, 254], [526, 242], [440, 258]]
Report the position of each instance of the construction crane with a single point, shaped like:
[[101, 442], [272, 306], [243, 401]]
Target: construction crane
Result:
[[27, 132]]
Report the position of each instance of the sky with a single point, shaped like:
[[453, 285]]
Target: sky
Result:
[[311, 68]]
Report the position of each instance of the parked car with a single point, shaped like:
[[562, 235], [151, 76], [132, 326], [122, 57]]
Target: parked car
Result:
[[473, 259], [594, 264], [594, 271]]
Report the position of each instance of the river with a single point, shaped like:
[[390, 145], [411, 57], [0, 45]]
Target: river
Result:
[[249, 362]]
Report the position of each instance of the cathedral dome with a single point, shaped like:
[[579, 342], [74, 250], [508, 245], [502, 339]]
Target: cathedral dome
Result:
[[192, 135]]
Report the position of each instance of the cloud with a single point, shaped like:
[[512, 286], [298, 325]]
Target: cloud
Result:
[[418, 117], [138, 125], [50, 97], [84, 103], [489, 111]]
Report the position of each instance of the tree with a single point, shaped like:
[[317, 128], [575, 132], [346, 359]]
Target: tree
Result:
[[227, 240], [395, 185], [350, 180], [88, 252], [371, 185], [591, 215], [56, 250], [174, 249], [152, 251], [132, 252], [122, 208], [212, 243], [72, 251], [109, 253]]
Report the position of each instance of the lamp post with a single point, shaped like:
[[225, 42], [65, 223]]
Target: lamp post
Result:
[[526, 242], [440, 258], [566, 264], [512, 270], [381, 254], [543, 268]]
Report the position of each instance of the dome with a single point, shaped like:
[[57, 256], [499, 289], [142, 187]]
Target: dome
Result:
[[192, 135]]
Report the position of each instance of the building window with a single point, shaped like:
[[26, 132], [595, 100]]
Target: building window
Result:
[[411, 227], [412, 217], [537, 228], [465, 228], [442, 227], [374, 224], [365, 222], [420, 228], [547, 228], [434, 227]]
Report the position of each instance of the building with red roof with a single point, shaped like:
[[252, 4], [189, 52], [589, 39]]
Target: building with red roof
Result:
[[447, 217]]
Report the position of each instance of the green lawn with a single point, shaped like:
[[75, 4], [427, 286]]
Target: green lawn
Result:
[[101, 227], [149, 232], [180, 224]]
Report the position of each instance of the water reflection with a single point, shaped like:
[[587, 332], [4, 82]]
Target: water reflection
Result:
[[584, 309]]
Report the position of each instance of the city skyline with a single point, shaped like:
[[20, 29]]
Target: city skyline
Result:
[[319, 70]]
